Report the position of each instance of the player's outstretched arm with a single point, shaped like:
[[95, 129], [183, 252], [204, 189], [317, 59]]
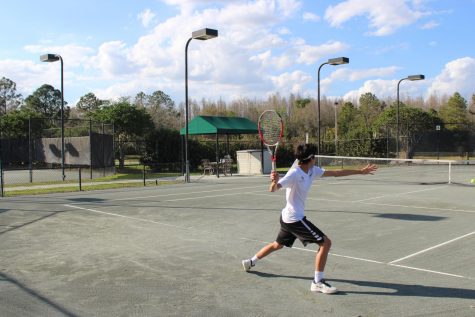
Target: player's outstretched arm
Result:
[[368, 169]]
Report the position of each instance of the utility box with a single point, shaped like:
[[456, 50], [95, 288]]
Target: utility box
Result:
[[250, 162]]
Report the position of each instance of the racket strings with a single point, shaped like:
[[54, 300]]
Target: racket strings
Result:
[[271, 128]]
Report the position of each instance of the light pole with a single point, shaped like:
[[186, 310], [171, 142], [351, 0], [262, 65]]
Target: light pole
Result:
[[54, 58], [331, 61], [412, 78], [203, 34], [336, 128]]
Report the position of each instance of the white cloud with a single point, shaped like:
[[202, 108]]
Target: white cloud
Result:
[[250, 46], [385, 16], [430, 25], [309, 54], [146, 17], [308, 16], [346, 74], [73, 55], [30, 74], [383, 89], [292, 82], [457, 76], [379, 87], [112, 60]]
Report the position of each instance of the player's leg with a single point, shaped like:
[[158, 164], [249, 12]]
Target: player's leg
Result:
[[319, 284], [307, 232], [322, 254], [284, 238], [265, 251], [268, 249]]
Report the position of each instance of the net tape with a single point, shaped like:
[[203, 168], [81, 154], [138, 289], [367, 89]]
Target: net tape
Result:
[[392, 169]]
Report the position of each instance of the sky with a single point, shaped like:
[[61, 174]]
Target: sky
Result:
[[118, 48]]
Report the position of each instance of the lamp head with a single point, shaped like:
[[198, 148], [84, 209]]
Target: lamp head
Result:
[[416, 77], [49, 58], [338, 61], [204, 34]]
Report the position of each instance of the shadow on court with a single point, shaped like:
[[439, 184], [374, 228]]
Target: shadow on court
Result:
[[410, 217], [409, 289], [31, 294], [271, 275], [16, 227], [397, 289], [394, 216]]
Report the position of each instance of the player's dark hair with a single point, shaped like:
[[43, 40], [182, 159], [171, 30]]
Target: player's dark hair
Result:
[[304, 152]]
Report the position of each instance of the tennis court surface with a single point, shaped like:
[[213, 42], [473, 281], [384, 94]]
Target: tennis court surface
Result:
[[400, 248]]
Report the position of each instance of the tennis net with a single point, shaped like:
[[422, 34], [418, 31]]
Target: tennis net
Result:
[[417, 171]]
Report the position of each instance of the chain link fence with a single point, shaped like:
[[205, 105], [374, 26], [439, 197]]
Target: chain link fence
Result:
[[30, 181]]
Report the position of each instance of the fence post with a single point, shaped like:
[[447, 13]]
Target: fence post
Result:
[[144, 174], [103, 152], [80, 180], [1, 176], [90, 147], [113, 147], [1, 166], [30, 164]]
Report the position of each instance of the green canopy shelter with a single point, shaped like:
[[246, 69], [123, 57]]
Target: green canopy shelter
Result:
[[212, 125]]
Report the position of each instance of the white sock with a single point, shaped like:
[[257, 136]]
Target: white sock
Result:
[[318, 276], [254, 260]]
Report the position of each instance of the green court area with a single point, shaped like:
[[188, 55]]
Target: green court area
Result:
[[401, 247]]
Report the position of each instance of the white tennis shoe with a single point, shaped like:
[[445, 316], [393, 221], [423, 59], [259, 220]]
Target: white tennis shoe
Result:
[[247, 264], [323, 287]]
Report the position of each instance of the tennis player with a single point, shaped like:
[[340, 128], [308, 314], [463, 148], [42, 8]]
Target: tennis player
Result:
[[293, 223]]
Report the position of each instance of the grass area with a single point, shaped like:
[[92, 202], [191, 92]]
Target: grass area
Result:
[[87, 187], [126, 175]]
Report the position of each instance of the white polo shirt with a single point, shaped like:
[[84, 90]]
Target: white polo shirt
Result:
[[297, 184]]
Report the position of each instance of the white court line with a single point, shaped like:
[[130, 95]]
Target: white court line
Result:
[[377, 204], [127, 217], [399, 194], [314, 251], [376, 262], [432, 248], [188, 193], [388, 205], [209, 196], [264, 242], [429, 271]]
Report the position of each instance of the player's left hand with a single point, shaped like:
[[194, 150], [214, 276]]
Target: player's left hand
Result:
[[369, 169]]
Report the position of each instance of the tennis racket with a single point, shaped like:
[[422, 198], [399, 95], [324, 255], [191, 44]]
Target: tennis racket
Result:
[[271, 130]]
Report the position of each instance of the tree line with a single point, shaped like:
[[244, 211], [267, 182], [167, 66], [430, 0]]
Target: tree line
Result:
[[360, 127]]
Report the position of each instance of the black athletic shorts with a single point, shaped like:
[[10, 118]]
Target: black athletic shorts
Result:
[[304, 230]]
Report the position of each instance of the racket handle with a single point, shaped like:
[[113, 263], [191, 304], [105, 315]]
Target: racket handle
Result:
[[273, 165]]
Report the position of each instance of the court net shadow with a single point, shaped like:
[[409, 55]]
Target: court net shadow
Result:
[[394, 216], [410, 217], [395, 289]]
